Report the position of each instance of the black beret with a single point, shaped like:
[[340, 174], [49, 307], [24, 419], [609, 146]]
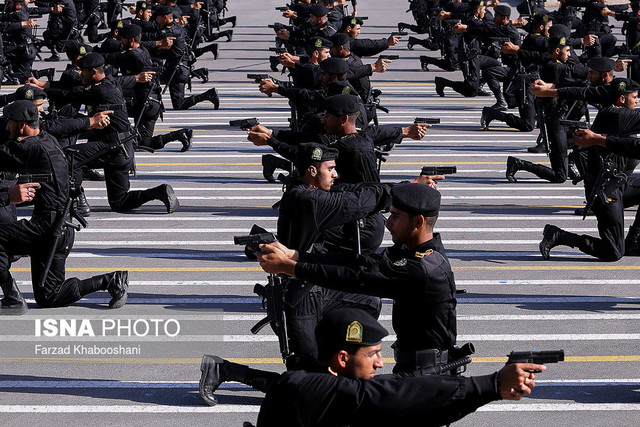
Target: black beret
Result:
[[620, 86], [162, 10], [340, 87], [541, 19], [119, 24], [557, 41], [21, 111], [75, 49], [416, 199], [319, 42], [341, 105], [475, 4], [351, 21], [91, 60], [502, 10], [130, 31], [334, 66], [559, 30], [318, 10], [348, 327], [601, 64], [30, 93], [142, 5], [312, 152], [341, 39]]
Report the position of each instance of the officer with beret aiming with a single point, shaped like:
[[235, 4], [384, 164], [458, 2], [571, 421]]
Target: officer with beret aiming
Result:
[[415, 272], [341, 387]]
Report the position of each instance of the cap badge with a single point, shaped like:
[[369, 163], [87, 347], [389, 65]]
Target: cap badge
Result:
[[354, 332], [316, 154]]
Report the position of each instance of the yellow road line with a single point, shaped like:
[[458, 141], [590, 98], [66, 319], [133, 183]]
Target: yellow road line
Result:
[[275, 360]]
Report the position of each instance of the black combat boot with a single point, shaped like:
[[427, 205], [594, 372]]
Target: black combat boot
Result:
[[82, 205], [441, 83], [230, 20], [49, 73], [270, 163], [226, 33], [216, 370], [554, 236], [92, 174], [213, 48], [13, 303], [166, 195], [501, 103], [488, 115], [513, 165], [201, 73], [426, 43], [183, 135], [115, 283], [632, 242], [209, 95]]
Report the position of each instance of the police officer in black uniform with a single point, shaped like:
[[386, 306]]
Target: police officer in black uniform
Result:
[[144, 101], [618, 121], [415, 272], [18, 38], [34, 152], [112, 148], [342, 389], [62, 19]]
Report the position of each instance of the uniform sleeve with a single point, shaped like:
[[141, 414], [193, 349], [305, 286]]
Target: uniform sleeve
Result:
[[379, 278], [628, 147], [368, 47]]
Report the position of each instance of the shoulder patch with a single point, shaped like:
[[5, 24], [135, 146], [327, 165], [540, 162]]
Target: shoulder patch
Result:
[[401, 262], [423, 254]]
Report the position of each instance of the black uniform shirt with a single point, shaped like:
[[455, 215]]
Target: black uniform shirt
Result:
[[420, 281]]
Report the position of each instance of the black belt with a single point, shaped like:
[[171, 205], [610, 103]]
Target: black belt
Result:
[[421, 358]]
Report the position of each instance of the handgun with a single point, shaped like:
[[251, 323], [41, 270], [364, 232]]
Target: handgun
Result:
[[438, 170], [499, 40], [278, 26], [632, 58], [530, 77], [389, 57], [244, 124], [574, 125], [278, 50], [537, 357], [253, 240], [399, 33], [427, 120], [282, 8], [34, 177], [258, 77]]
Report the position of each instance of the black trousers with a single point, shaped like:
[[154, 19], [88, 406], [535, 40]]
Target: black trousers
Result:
[[303, 318], [609, 246], [116, 173], [31, 237]]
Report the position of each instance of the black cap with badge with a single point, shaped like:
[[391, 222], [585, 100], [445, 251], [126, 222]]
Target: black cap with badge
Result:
[[310, 153], [347, 327], [416, 199]]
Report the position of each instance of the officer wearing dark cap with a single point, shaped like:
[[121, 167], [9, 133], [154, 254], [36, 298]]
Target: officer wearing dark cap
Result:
[[60, 24], [415, 272], [365, 47], [176, 69], [316, 26], [143, 15], [32, 151], [111, 148], [476, 63], [342, 389], [620, 123], [561, 72]]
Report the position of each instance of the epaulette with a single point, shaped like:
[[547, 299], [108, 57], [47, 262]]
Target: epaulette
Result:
[[423, 254]]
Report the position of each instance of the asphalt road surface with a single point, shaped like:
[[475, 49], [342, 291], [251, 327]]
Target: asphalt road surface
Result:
[[185, 271]]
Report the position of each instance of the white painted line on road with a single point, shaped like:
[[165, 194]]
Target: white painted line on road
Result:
[[167, 243], [126, 409], [159, 409], [278, 189], [217, 218], [115, 384], [462, 299], [558, 407], [244, 230]]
